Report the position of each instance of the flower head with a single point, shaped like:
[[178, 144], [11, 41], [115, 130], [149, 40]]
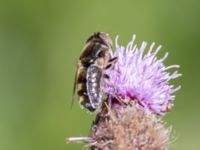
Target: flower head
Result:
[[141, 77], [129, 129]]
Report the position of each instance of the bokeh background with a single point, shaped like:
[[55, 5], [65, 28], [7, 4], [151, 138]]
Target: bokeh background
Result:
[[40, 42]]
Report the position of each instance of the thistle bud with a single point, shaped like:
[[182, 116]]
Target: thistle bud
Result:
[[130, 128]]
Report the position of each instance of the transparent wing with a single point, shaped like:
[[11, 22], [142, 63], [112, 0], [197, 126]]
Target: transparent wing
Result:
[[74, 87]]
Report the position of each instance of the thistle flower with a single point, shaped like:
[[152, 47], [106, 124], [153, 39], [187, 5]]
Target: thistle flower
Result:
[[141, 77], [141, 81]]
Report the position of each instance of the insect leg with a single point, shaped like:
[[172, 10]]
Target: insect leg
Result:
[[115, 90], [113, 59], [106, 76], [111, 62]]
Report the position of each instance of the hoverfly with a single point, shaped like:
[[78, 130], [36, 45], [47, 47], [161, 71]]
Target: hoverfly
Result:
[[93, 61]]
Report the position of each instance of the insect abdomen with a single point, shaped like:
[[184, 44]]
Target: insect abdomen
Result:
[[94, 75], [82, 90]]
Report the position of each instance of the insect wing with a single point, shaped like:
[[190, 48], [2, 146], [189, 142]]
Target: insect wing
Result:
[[74, 87]]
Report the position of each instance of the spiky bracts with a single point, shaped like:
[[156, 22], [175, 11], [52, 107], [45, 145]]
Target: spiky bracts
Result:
[[129, 129]]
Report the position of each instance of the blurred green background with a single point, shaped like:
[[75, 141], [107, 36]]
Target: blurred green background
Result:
[[40, 42]]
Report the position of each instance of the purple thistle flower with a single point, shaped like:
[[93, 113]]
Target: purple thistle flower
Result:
[[141, 77]]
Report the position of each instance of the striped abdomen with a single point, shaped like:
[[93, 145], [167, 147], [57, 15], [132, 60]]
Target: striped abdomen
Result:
[[82, 89], [93, 84], [89, 87]]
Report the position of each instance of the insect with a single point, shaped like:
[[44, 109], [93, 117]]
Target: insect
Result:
[[94, 60]]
